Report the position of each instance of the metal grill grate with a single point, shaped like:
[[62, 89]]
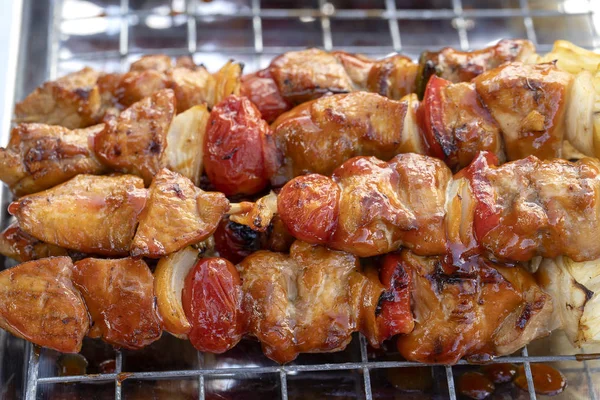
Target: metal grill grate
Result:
[[110, 34]]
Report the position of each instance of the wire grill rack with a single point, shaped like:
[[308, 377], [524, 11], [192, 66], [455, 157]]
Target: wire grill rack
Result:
[[109, 34]]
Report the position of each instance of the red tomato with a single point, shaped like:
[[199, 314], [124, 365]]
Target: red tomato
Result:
[[395, 316], [309, 207], [233, 150], [487, 215], [212, 302], [431, 114], [235, 241]]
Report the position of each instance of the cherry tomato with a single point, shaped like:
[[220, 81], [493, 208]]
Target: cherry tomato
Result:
[[235, 241], [233, 149], [309, 207], [395, 315], [431, 112], [212, 302]]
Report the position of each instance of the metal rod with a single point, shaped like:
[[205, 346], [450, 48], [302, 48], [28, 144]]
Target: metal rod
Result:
[[118, 370], [191, 26], [124, 34], [364, 357], [527, 21], [460, 24], [369, 14], [450, 379], [283, 382], [393, 23], [527, 367], [289, 368], [325, 23], [32, 371]]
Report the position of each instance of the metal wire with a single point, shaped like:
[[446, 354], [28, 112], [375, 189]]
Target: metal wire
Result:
[[324, 12]]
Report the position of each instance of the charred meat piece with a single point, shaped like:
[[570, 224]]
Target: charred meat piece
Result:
[[72, 101], [40, 156], [90, 214], [532, 207], [120, 298], [308, 301], [319, 136], [299, 76], [371, 207], [176, 215], [136, 140], [528, 102], [462, 66], [477, 312], [455, 124], [39, 303]]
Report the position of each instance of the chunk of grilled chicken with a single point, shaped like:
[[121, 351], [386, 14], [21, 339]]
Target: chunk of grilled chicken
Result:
[[90, 214], [192, 85], [319, 136], [477, 312], [40, 156], [511, 213], [462, 66], [20, 246], [72, 101], [528, 102], [309, 301], [135, 141], [39, 303], [514, 111], [371, 207], [455, 124], [177, 214], [119, 295], [298, 76], [530, 207]]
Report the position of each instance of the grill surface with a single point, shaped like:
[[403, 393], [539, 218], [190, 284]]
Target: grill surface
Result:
[[109, 34]]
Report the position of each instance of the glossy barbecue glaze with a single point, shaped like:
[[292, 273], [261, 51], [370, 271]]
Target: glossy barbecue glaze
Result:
[[135, 141], [528, 102], [512, 212], [120, 299], [212, 300], [90, 214], [340, 127], [177, 214], [40, 156], [381, 206], [311, 300], [462, 66], [234, 149], [475, 312], [39, 303]]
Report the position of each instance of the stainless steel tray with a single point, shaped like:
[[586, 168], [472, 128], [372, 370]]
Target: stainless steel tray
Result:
[[58, 37]]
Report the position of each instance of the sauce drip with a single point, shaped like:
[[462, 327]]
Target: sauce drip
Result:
[[107, 366], [410, 379], [475, 385], [71, 365], [500, 373], [546, 380]]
